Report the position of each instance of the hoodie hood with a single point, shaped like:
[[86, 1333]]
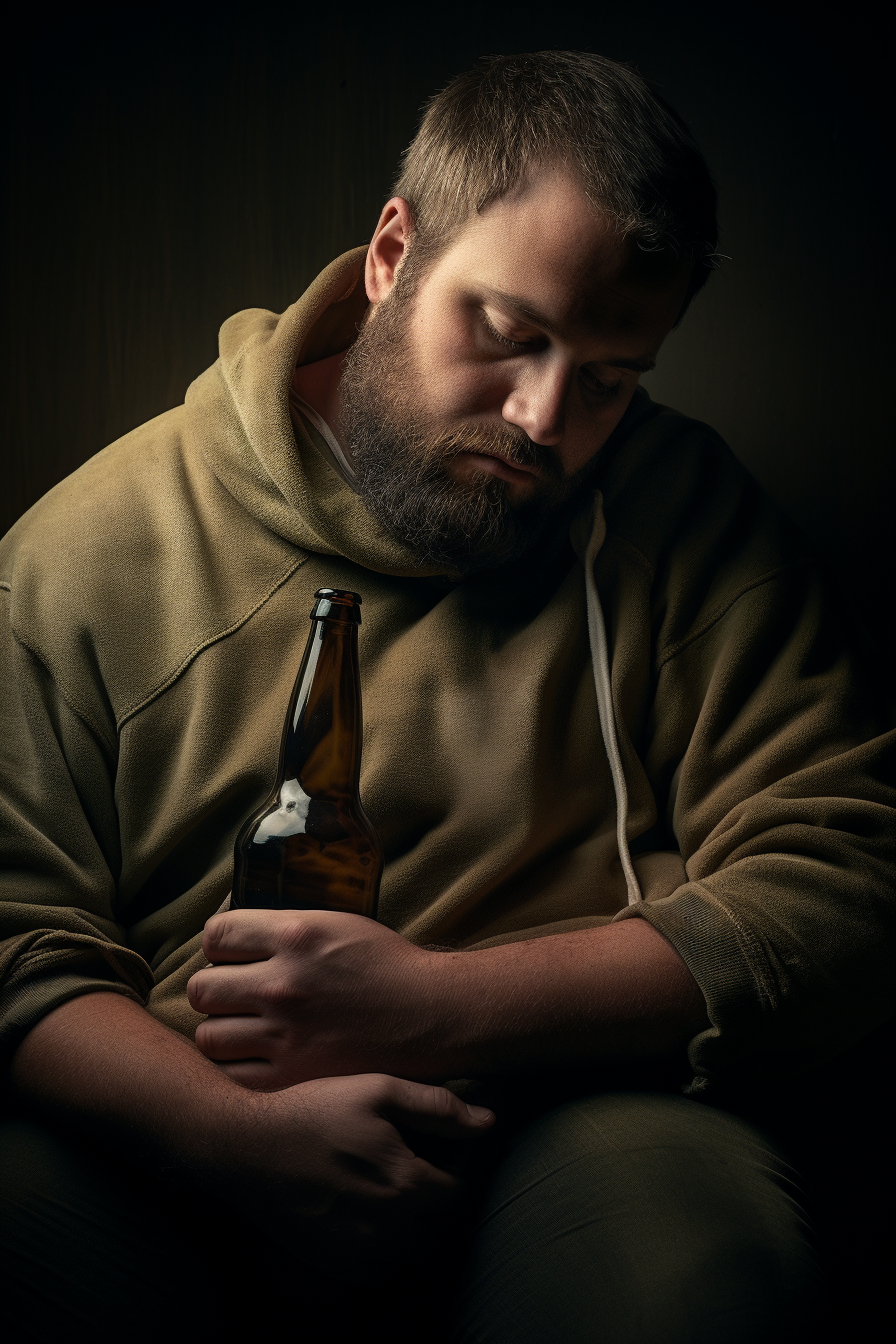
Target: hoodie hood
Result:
[[238, 414]]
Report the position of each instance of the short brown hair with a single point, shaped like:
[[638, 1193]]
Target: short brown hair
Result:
[[486, 132]]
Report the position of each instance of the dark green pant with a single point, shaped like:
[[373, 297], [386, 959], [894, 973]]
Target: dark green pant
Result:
[[622, 1218]]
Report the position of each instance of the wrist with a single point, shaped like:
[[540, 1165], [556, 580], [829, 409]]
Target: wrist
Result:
[[214, 1138], [457, 1016]]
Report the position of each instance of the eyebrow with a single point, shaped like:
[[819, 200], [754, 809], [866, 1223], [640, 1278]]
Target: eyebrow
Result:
[[526, 310]]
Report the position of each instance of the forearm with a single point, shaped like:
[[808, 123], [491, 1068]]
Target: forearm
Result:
[[313, 1166], [362, 998], [617, 993], [104, 1064]]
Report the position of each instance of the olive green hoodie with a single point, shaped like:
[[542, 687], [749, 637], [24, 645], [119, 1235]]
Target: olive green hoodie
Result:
[[155, 611]]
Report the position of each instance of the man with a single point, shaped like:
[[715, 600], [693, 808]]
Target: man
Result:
[[631, 792]]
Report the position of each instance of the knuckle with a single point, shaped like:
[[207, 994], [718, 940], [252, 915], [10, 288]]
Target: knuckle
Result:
[[443, 1102], [295, 934], [383, 1088], [279, 992], [214, 933], [437, 1101], [375, 1092]]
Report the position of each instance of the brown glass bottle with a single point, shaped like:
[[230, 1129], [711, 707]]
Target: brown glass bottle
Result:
[[312, 846]]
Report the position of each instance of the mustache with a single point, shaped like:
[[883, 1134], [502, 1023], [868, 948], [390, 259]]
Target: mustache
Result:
[[507, 441]]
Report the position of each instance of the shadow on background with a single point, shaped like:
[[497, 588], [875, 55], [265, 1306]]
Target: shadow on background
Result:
[[164, 175]]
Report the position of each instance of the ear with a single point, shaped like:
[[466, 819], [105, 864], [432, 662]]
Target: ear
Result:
[[387, 248]]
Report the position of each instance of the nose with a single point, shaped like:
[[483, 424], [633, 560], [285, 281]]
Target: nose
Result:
[[537, 402]]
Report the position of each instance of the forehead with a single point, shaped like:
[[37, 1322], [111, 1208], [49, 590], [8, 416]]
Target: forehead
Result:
[[549, 241]]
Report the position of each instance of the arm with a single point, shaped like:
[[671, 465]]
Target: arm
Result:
[[325, 1157], [620, 992], [305, 995]]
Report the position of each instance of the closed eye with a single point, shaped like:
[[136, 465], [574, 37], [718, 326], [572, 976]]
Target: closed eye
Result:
[[591, 382], [505, 340], [594, 384]]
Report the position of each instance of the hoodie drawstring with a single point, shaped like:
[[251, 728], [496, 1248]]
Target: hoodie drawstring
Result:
[[600, 662]]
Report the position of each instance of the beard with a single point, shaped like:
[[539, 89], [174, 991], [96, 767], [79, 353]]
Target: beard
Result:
[[402, 457]]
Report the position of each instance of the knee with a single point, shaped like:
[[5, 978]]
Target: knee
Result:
[[647, 1217], [681, 1159]]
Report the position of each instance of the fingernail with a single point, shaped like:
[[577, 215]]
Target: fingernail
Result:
[[479, 1113]]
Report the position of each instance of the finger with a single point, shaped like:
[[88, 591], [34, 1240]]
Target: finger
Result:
[[431, 1187], [419, 1187], [221, 1038], [236, 989], [431, 1110], [258, 1075], [245, 935], [412, 1176]]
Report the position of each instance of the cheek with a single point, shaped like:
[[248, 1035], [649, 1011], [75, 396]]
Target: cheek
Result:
[[452, 380], [453, 385]]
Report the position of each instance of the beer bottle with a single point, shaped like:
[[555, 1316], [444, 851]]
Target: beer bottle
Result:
[[312, 846]]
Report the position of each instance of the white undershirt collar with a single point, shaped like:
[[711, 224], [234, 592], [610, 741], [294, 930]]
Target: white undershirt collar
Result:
[[339, 460]]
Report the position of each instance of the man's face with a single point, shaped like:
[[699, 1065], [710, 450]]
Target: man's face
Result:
[[480, 392]]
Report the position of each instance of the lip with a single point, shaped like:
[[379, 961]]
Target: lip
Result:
[[499, 466]]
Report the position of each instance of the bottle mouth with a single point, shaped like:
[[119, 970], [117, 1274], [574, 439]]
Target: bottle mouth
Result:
[[338, 595], [336, 604]]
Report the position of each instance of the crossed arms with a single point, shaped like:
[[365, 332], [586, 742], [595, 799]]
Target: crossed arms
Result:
[[326, 1026]]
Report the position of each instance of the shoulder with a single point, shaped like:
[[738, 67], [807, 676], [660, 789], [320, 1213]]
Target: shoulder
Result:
[[672, 485], [701, 525], [135, 562]]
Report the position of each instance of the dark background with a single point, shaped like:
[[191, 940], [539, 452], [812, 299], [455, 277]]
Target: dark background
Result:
[[167, 167]]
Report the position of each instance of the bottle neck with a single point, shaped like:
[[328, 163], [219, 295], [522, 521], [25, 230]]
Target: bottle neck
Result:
[[323, 746]]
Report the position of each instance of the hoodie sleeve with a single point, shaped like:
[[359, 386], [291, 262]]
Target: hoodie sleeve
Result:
[[783, 810], [58, 851]]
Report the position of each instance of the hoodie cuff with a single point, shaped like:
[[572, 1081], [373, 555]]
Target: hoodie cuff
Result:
[[728, 964], [40, 983], [34, 1001]]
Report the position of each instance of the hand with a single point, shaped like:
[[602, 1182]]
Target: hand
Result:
[[330, 1166], [295, 995]]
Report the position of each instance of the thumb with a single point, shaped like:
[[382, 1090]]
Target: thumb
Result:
[[432, 1110]]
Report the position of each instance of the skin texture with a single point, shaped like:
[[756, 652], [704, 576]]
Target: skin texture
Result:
[[304, 995], [319, 1020]]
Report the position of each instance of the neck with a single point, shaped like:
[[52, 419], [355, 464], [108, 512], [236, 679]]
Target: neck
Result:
[[318, 384]]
